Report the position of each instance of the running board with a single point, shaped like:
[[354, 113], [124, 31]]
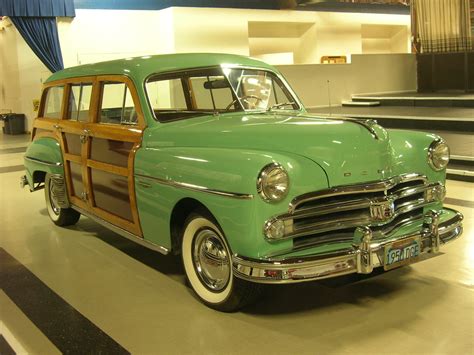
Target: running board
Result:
[[123, 232]]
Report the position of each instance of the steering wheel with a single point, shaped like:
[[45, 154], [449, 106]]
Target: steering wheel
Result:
[[244, 98]]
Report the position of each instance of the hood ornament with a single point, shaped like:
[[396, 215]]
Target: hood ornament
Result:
[[365, 122]]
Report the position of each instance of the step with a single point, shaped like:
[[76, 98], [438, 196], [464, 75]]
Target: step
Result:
[[461, 168], [462, 158], [360, 103], [418, 101]]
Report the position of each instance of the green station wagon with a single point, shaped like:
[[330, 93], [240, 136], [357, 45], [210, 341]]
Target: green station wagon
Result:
[[214, 157]]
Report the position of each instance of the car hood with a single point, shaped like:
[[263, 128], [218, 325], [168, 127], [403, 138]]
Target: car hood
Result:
[[348, 151]]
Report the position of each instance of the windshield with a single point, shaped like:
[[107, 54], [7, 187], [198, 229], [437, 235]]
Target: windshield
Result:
[[259, 90], [207, 91]]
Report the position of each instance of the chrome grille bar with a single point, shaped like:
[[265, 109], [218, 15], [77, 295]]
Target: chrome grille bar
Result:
[[375, 204], [355, 189]]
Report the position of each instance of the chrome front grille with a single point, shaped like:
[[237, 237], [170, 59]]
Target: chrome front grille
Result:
[[332, 215]]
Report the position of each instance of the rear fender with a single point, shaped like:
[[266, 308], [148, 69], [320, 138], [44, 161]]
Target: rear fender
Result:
[[42, 156]]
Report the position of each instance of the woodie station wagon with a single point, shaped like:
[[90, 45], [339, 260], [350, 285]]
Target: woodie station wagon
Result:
[[214, 157]]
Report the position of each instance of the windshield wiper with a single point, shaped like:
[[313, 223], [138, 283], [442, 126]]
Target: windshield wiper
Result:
[[283, 104]]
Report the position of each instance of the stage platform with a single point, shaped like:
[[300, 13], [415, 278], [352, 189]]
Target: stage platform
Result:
[[451, 117], [415, 99]]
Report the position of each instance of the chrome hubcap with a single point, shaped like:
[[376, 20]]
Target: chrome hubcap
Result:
[[53, 200], [211, 260]]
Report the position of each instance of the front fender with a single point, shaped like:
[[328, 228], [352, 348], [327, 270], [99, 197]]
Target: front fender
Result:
[[43, 155], [410, 154], [184, 172]]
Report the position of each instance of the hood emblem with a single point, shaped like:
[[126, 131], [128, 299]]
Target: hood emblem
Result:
[[382, 210]]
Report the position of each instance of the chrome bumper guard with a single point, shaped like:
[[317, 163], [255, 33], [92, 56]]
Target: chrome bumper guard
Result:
[[362, 258]]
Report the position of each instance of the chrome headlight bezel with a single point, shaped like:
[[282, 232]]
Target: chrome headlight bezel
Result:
[[438, 160], [262, 183]]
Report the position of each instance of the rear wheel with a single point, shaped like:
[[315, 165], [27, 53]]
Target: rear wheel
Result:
[[207, 261], [60, 216]]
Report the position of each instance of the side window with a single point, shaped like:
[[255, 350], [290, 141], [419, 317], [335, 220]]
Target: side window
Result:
[[79, 102], [52, 102], [166, 94], [117, 104]]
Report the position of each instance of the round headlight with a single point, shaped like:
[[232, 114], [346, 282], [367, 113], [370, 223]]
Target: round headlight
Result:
[[438, 155], [273, 183]]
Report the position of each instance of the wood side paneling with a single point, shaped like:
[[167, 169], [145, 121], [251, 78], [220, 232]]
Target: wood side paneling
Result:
[[73, 143], [111, 193], [110, 151], [101, 166], [76, 178]]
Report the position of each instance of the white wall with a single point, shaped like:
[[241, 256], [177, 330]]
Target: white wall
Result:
[[98, 35], [207, 30], [9, 72], [367, 73], [278, 36], [386, 38], [400, 41], [309, 35]]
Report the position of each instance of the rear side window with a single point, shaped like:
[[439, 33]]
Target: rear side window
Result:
[[166, 94], [79, 102], [117, 105], [52, 102]]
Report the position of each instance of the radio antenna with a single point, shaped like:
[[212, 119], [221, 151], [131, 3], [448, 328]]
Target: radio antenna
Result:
[[329, 98]]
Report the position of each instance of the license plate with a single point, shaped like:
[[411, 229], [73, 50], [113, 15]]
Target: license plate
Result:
[[401, 252]]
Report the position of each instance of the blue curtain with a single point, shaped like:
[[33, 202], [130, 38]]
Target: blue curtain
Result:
[[41, 34], [37, 8]]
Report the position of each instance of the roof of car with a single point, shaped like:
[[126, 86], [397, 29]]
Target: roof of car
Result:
[[140, 67]]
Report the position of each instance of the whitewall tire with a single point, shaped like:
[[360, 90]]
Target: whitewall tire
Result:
[[207, 261], [59, 216]]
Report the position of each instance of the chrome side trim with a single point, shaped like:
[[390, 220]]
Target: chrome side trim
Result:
[[193, 187], [123, 232], [35, 160], [362, 257]]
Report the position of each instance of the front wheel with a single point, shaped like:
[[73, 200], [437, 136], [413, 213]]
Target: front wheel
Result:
[[60, 216], [208, 264]]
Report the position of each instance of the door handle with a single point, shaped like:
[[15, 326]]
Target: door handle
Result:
[[83, 137], [56, 126], [143, 184]]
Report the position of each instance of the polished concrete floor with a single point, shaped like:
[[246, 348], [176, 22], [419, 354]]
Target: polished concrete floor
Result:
[[84, 289]]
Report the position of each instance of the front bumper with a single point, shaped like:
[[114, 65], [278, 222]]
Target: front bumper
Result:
[[362, 258]]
